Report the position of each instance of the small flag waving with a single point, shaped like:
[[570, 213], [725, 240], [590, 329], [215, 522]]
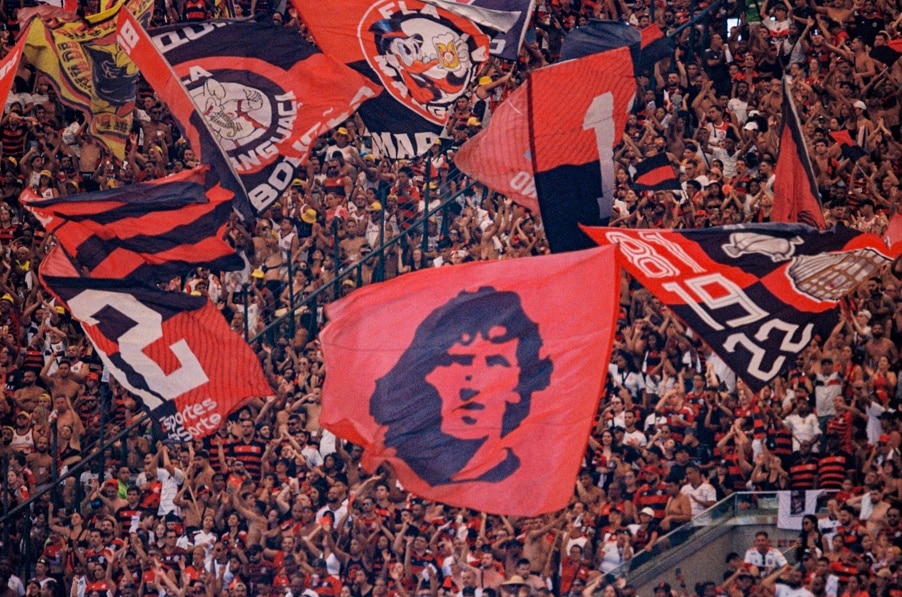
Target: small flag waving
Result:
[[89, 70], [656, 174], [796, 196], [757, 294], [850, 149], [453, 375]]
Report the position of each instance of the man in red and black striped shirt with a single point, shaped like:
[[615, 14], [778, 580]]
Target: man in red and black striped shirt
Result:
[[652, 494], [803, 467], [248, 449]]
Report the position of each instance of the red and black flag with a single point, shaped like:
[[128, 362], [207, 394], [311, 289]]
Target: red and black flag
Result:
[[649, 45], [424, 56], [756, 294], [796, 196], [556, 150], [656, 174], [151, 231], [262, 104], [453, 375], [173, 350], [9, 66], [850, 149]]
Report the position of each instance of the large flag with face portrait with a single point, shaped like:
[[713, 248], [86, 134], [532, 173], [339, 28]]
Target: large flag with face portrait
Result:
[[423, 55], [756, 294], [88, 69], [554, 151], [263, 103], [465, 379], [173, 350]]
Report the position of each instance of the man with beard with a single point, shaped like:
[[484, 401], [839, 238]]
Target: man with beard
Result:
[[26, 397], [803, 423], [64, 414], [40, 461], [788, 583], [62, 381], [880, 346], [803, 468], [334, 505]]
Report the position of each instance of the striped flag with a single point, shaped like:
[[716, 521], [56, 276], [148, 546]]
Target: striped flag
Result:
[[152, 231], [656, 174], [173, 350]]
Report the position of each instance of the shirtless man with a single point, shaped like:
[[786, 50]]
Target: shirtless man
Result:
[[536, 546], [880, 346], [63, 381], [26, 397]]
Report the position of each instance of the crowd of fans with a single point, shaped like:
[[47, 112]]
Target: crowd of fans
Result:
[[274, 505]]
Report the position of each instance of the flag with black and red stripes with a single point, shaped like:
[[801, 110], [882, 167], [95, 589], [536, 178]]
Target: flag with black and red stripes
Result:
[[152, 231], [173, 350], [656, 174], [850, 149], [757, 294], [796, 196]]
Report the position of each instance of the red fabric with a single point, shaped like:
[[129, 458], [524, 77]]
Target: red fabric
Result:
[[174, 350], [114, 233], [796, 198], [399, 385], [893, 232], [502, 156], [294, 93], [9, 66]]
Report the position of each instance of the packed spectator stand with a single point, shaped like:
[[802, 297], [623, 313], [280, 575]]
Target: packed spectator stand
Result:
[[274, 505]]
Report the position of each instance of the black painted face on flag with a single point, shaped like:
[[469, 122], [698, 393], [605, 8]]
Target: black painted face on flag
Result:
[[462, 387]]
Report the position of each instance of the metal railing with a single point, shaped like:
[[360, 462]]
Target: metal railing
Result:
[[308, 310], [746, 503]]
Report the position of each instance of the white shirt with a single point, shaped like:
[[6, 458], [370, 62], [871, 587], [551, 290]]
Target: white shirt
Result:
[[635, 438], [766, 563], [803, 429], [704, 492], [826, 388], [170, 489], [786, 591]]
